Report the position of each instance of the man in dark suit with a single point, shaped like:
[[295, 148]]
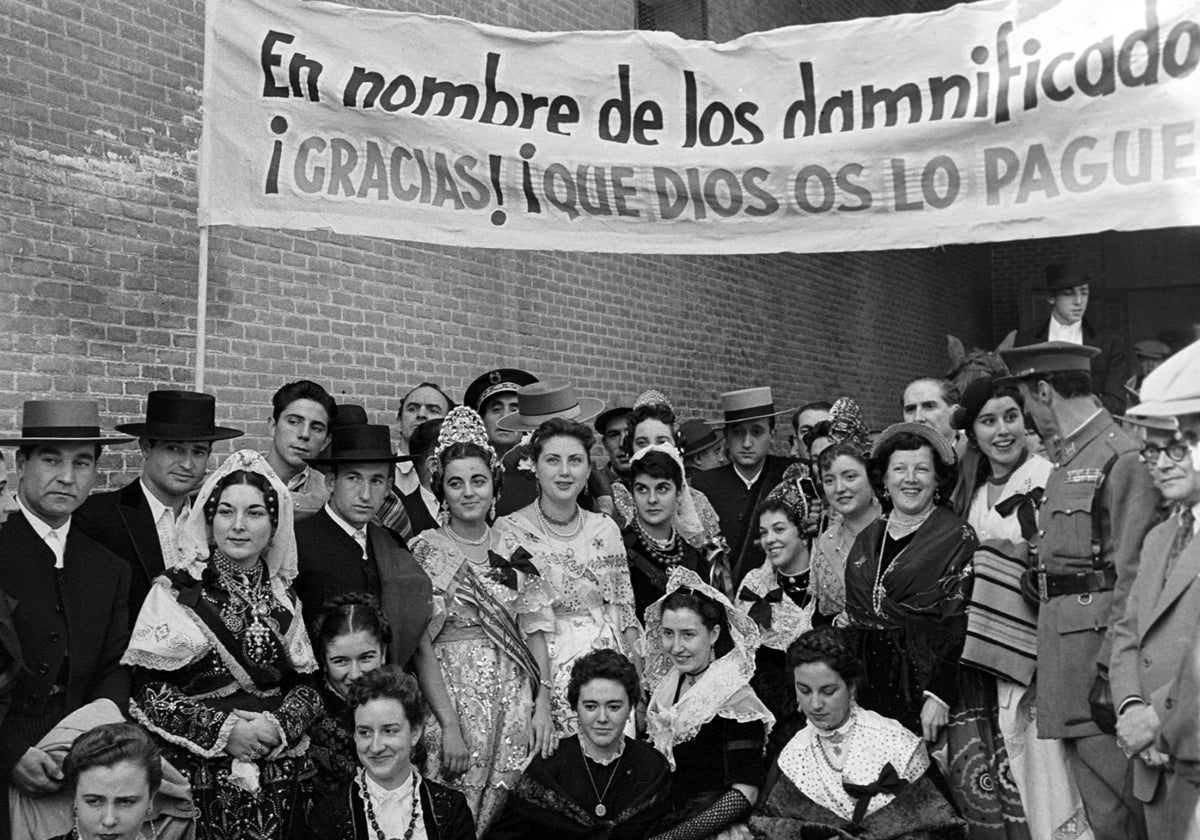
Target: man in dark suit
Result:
[[736, 489], [71, 593], [1068, 287], [139, 522], [1098, 506]]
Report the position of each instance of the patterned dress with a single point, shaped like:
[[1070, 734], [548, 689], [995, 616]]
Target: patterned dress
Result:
[[481, 615], [593, 597], [201, 653]]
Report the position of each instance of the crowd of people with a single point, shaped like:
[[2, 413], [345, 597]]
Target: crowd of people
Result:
[[982, 621]]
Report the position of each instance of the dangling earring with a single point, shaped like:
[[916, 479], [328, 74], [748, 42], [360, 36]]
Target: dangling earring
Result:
[[492, 510], [443, 516]]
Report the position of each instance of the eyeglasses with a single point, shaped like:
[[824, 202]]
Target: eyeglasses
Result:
[[1175, 450]]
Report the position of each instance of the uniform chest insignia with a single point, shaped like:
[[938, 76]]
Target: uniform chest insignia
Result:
[[1090, 475]]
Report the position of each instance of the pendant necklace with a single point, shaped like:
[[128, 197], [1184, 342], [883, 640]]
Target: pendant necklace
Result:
[[366, 798], [255, 594], [600, 810], [545, 521], [878, 592]]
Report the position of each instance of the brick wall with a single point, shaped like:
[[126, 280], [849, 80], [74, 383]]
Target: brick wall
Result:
[[99, 248]]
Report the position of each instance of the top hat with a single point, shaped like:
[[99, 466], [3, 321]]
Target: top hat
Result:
[[1173, 388], [180, 415], [61, 421], [749, 404], [350, 414], [696, 436], [1047, 357], [542, 401], [365, 443], [1066, 275], [618, 405], [498, 381]]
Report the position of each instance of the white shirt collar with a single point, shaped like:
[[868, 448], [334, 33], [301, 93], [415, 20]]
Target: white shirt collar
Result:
[[1072, 333], [157, 507], [431, 501], [750, 482], [342, 523], [1196, 518], [393, 808], [300, 479], [43, 530]]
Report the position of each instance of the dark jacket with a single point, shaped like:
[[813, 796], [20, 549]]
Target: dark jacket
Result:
[[343, 817], [1109, 370], [122, 522], [735, 507], [78, 615]]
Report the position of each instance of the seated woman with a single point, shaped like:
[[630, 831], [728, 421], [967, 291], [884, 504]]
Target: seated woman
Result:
[[388, 797], [113, 772], [598, 783], [850, 772], [703, 715], [222, 663], [652, 540], [349, 637], [778, 596]]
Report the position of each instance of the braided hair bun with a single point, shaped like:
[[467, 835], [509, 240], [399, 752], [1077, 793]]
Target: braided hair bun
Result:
[[830, 645]]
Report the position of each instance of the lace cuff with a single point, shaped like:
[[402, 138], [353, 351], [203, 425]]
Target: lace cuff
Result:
[[301, 706], [211, 746]]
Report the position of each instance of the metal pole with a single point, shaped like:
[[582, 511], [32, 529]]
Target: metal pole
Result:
[[202, 308]]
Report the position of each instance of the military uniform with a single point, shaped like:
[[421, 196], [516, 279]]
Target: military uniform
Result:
[[1084, 595]]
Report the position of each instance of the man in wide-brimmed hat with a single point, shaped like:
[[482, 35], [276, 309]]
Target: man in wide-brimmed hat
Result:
[[1068, 286], [736, 488], [1099, 503], [72, 594], [1155, 678], [341, 550], [139, 522]]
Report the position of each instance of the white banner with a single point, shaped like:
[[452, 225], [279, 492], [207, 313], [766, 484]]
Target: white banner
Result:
[[997, 120]]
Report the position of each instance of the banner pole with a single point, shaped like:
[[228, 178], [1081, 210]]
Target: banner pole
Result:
[[202, 308]]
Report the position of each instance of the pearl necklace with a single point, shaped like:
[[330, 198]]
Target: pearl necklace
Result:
[[459, 538], [901, 524], [878, 593], [667, 551], [544, 521]]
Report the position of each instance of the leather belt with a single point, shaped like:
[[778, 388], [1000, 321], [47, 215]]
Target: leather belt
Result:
[[1101, 580]]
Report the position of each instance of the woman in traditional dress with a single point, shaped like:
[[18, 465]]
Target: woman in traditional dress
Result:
[[599, 783], [849, 771], [703, 714], [652, 541], [113, 772], [388, 799], [491, 616], [850, 496], [222, 664], [778, 596], [905, 578], [1011, 782], [350, 639], [579, 554]]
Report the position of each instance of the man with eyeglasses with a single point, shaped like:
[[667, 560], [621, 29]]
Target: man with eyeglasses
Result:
[[1158, 719]]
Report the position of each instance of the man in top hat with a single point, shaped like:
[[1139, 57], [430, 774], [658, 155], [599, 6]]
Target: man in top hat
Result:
[[1068, 286], [612, 424], [302, 414], [1165, 700], [700, 447], [139, 522], [1099, 503], [736, 488], [71, 593], [493, 395]]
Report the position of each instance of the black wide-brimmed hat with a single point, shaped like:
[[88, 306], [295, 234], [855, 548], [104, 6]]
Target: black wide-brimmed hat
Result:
[[359, 444], [180, 415], [542, 401], [61, 421], [696, 436], [498, 381], [350, 414]]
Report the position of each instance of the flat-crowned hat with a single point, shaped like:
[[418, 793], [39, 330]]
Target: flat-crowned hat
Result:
[[1151, 348], [180, 415], [617, 405], [357, 444], [542, 401], [350, 414], [696, 436], [1173, 388], [498, 381], [749, 404], [939, 444], [1066, 275], [1047, 357], [61, 421]]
